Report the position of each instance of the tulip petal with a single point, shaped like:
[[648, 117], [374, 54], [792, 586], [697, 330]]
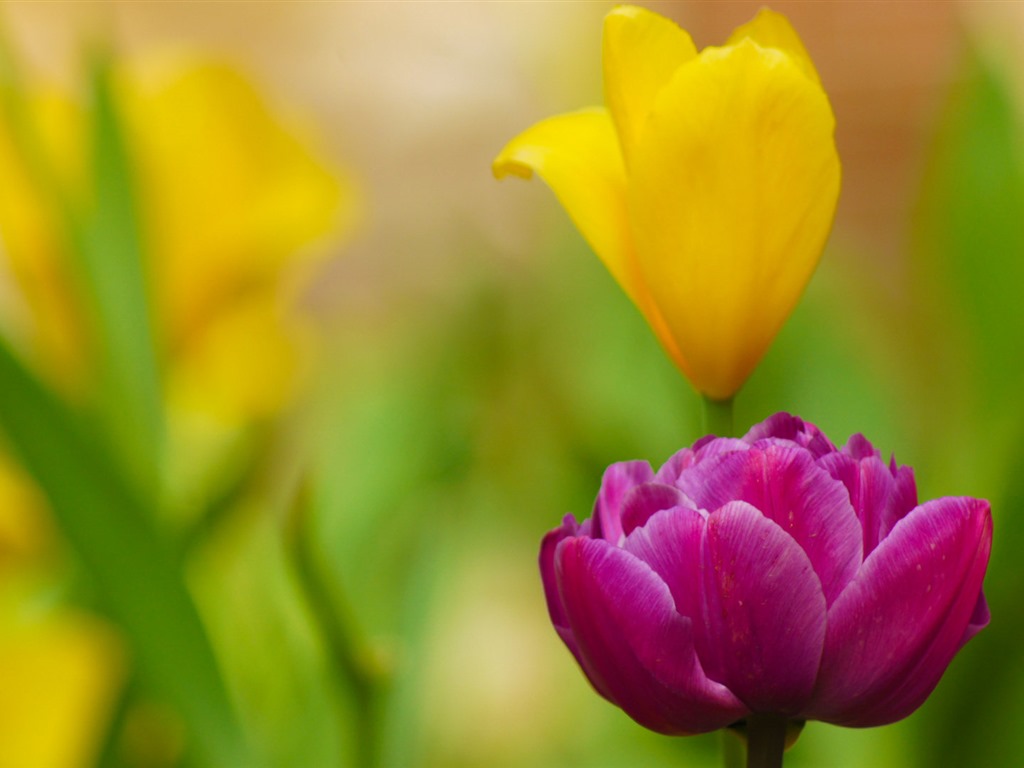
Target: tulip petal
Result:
[[578, 155], [556, 610], [618, 480], [896, 627], [733, 188], [671, 543], [645, 500], [765, 610], [773, 30], [879, 498], [642, 51], [979, 620], [787, 487], [785, 426], [635, 647]]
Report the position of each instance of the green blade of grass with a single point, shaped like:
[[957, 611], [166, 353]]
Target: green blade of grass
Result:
[[104, 248], [111, 257], [113, 532]]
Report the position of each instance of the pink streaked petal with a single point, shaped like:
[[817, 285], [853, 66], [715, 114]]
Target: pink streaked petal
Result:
[[905, 498], [765, 610], [785, 484], [705, 449], [669, 471], [859, 447], [618, 480], [785, 426], [873, 491], [894, 630], [720, 446], [979, 620], [634, 646], [672, 544], [548, 545], [644, 500]]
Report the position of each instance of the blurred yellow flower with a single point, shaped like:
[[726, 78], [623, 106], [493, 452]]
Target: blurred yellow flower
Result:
[[61, 673], [232, 202], [25, 527], [707, 184]]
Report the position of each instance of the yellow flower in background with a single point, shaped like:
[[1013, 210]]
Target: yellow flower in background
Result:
[[26, 535], [233, 203], [707, 184], [61, 672], [235, 207]]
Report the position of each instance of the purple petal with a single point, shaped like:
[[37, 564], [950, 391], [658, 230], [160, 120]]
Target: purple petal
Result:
[[618, 480], [644, 500], [859, 447], [765, 608], [785, 426], [678, 461], [548, 545], [672, 544], [979, 620], [905, 498], [876, 495], [634, 646], [704, 449], [896, 627], [785, 484]]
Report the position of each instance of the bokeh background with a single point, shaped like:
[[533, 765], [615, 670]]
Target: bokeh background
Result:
[[301, 387]]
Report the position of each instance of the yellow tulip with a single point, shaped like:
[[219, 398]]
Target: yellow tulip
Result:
[[234, 200], [707, 184], [233, 203]]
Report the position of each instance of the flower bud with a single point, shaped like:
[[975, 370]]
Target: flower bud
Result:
[[707, 184], [769, 574]]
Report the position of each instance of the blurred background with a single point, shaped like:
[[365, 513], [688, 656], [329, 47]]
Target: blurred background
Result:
[[291, 388]]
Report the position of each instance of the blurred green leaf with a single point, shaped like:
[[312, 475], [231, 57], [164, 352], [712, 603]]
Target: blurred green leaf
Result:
[[970, 242], [111, 253], [105, 247], [113, 532], [969, 272]]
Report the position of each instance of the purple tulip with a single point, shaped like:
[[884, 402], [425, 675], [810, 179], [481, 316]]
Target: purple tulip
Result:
[[768, 574]]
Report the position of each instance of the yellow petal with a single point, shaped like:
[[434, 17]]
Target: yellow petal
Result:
[[46, 309], [232, 195], [60, 676], [733, 191], [642, 51], [578, 155], [26, 538], [773, 30], [244, 365]]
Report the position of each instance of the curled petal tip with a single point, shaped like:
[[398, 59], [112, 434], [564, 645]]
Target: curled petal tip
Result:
[[504, 166]]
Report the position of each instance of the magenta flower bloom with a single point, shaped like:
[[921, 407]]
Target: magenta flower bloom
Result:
[[769, 574]]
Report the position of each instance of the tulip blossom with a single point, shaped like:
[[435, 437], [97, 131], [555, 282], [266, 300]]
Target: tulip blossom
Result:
[[232, 203], [772, 575], [707, 184]]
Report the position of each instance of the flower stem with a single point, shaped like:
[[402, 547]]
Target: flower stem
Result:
[[766, 740], [359, 679], [717, 416]]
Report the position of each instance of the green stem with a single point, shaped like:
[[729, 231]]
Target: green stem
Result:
[[348, 652], [717, 416], [766, 740]]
